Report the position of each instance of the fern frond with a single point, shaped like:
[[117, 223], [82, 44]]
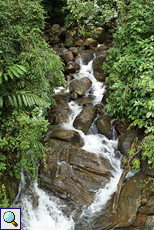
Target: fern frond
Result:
[[11, 101], [13, 71]]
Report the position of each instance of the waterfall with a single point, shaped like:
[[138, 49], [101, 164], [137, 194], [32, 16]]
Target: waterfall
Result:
[[48, 213]]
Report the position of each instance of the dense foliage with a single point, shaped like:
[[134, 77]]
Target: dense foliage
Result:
[[87, 14], [131, 69], [29, 72]]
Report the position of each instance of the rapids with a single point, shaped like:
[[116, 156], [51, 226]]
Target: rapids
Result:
[[48, 214]]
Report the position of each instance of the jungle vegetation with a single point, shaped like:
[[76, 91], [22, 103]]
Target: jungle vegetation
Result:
[[30, 70]]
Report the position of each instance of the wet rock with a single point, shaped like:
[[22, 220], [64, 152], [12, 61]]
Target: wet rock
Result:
[[129, 203], [78, 42], [72, 173], [86, 57], [70, 136], [105, 95], [139, 223], [55, 40], [74, 50], [67, 56], [85, 118], [89, 43], [125, 141], [73, 96], [80, 86], [101, 48], [104, 126], [99, 73], [121, 126], [149, 225], [71, 67], [55, 30], [60, 113], [148, 209]]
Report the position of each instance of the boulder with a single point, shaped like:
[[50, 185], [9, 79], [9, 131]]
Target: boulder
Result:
[[128, 205], [80, 86], [104, 126], [55, 40], [125, 141], [99, 73], [67, 56], [70, 136], [85, 118], [71, 67], [74, 50], [121, 126], [72, 173], [60, 113], [78, 43], [86, 57], [55, 30], [89, 43], [105, 95]]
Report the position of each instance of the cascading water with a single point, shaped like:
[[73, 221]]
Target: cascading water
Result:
[[48, 214]]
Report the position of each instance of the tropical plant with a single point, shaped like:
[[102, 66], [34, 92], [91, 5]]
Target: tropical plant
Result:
[[130, 66], [29, 72]]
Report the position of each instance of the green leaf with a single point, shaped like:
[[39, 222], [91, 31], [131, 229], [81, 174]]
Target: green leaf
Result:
[[5, 76], [19, 100], [11, 101], [24, 100], [1, 102], [15, 101], [10, 74], [22, 68], [15, 73]]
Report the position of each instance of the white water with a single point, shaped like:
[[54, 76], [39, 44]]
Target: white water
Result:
[[48, 214]]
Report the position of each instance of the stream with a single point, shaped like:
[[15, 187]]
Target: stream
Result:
[[48, 212]]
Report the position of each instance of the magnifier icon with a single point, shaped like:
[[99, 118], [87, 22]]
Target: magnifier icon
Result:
[[9, 217]]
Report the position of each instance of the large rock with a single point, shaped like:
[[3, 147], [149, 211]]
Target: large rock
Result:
[[126, 140], [89, 43], [121, 126], [70, 136], [55, 40], [86, 57], [67, 56], [99, 73], [104, 126], [74, 50], [71, 67], [72, 173], [55, 30], [128, 205], [60, 113], [85, 118], [80, 86]]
